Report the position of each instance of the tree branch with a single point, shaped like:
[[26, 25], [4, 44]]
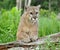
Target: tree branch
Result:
[[51, 38]]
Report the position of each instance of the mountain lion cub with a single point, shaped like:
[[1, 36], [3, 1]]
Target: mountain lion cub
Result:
[[28, 26]]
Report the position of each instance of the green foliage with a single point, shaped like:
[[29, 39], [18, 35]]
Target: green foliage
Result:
[[47, 13], [8, 24], [55, 4], [7, 4], [44, 13], [50, 46], [48, 26], [48, 23], [45, 4]]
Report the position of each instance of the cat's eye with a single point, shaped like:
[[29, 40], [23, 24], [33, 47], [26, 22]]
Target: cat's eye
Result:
[[31, 13], [36, 12]]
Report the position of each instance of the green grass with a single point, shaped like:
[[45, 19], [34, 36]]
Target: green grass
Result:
[[48, 26], [9, 23], [50, 46]]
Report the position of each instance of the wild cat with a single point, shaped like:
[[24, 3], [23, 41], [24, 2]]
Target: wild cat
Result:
[[28, 25]]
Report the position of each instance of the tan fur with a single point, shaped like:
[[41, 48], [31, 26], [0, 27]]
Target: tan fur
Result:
[[28, 29]]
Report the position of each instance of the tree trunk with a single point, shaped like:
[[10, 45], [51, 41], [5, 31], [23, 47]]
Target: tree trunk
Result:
[[17, 1], [49, 8], [18, 4], [26, 2], [29, 2], [49, 5]]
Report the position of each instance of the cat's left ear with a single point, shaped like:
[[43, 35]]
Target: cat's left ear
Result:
[[39, 6]]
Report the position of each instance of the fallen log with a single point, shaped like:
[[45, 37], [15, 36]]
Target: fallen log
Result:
[[42, 40]]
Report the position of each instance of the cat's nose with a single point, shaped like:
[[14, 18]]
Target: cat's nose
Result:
[[34, 17]]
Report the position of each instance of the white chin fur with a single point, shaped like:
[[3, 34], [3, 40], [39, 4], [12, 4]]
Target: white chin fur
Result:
[[34, 20]]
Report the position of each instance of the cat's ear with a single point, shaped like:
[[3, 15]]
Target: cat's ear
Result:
[[26, 7], [39, 6]]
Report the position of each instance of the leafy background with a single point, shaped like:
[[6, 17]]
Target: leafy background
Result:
[[9, 20], [48, 22]]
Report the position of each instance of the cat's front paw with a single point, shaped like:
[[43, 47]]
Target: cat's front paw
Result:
[[27, 40]]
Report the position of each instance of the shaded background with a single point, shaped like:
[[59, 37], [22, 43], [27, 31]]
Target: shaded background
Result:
[[49, 18], [55, 4]]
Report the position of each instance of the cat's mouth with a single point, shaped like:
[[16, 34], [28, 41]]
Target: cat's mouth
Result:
[[34, 20]]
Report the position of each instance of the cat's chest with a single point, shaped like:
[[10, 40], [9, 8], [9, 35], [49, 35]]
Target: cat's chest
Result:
[[30, 29]]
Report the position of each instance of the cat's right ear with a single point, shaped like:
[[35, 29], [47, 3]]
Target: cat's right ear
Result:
[[26, 7]]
